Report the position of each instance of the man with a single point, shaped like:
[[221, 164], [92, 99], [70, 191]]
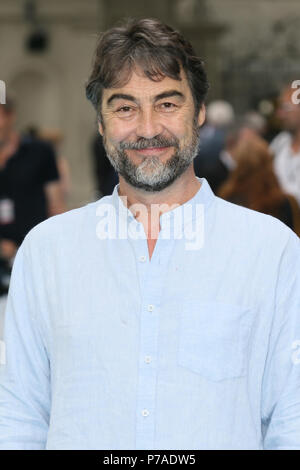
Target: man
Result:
[[286, 145], [29, 182], [160, 317]]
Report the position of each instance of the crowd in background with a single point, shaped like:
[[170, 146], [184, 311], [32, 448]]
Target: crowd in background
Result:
[[246, 164], [246, 160]]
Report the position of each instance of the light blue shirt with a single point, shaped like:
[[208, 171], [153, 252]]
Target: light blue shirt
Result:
[[198, 348]]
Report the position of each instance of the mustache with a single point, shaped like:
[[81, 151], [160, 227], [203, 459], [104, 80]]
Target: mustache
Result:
[[154, 142]]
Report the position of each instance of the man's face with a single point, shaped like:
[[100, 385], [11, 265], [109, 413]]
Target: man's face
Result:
[[288, 112], [150, 131], [6, 123]]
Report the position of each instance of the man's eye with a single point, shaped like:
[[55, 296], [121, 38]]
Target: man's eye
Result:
[[168, 106], [124, 109]]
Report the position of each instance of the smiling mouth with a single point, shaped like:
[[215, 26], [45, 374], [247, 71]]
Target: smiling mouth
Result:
[[151, 150]]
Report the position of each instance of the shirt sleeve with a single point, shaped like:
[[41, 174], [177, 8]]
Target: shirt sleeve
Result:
[[25, 375], [281, 382]]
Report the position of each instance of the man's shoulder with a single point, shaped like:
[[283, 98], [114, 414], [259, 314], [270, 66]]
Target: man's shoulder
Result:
[[253, 227], [64, 227], [35, 145]]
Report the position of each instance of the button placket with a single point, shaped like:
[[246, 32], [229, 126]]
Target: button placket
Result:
[[151, 275]]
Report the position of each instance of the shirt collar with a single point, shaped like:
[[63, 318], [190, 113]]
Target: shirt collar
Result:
[[181, 215]]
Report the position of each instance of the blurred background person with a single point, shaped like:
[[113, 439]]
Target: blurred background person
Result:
[[207, 163], [30, 188], [253, 183], [254, 121], [218, 162], [55, 138], [286, 145]]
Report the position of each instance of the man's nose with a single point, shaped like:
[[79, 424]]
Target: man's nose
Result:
[[148, 124]]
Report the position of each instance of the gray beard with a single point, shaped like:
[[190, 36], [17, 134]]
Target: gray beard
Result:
[[152, 175]]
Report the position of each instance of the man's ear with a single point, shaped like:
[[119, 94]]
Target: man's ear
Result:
[[100, 127], [201, 115]]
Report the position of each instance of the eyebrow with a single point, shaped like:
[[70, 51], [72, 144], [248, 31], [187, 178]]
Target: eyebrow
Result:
[[120, 96], [169, 94], [124, 96]]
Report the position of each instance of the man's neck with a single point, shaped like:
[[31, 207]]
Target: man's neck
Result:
[[147, 207]]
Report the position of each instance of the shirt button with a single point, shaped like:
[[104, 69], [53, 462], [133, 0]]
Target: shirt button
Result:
[[148, 359], [142, 259], [150, 308], [145, 412]]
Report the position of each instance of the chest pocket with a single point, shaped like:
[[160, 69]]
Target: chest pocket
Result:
[[213, 339]]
